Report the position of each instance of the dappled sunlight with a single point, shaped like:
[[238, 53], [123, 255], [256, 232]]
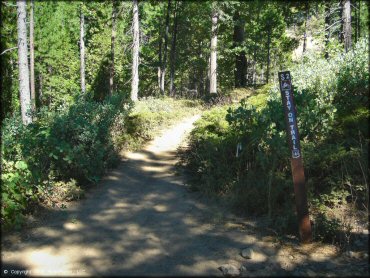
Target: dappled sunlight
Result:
[[141, 220]]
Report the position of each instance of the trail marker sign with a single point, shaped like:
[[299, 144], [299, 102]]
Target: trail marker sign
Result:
[[296, 156]]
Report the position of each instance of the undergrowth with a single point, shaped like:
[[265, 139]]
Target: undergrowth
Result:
[[67, 150], [240, 153]]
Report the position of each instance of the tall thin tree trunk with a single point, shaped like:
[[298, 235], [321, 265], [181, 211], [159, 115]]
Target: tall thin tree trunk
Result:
[[341, 30], [255, 51], [163, 71], [327, 29], [355, 19], [24, 77], [135, 52], [305, 29], [173, 51], [213, 61], [268, 53], [40, 88], [160, 59], [32, 59], [347, 29], [359, 19], [240, 60], [113, 38], [82, 52]]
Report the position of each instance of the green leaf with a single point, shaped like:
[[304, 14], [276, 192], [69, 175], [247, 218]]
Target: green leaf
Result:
[[21, 165]]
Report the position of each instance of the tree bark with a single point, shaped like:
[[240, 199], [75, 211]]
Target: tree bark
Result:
[[305, 29], [240, 59], [173, 51], [359, 19], [135, 52], [24, 78], [340, 37], [113, 38], [82, 52], [268, 53], [213, 60], [160, 58], [355, 19], [163, 70], [327, 29], [347, 29], [32, 59]]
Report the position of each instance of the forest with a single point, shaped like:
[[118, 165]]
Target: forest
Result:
[[81, 81]]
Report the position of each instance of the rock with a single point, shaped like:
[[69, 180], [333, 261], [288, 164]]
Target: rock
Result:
[[229, 270], [247, 253], [291, 257]]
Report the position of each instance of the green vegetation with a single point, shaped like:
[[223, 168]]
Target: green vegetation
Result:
[[332, 104], [66, 150], [83, 80]]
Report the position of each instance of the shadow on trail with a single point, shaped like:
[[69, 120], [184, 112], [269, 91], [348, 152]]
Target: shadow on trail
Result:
[[141, 220]]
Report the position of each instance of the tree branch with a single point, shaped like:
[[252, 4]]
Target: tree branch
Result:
[[9, 49]]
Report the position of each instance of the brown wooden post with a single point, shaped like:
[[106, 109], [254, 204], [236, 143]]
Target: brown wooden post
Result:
[[296, 156]]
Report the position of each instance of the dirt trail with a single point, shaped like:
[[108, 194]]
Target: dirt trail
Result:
[[142, 220]]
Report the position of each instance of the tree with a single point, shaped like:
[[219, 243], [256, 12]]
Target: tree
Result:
[[305, 27], [135, 52], [82, 51], [347, 29], [327, 28], [164, 61], [113, 37], [173, 50], [32, 59], [213, 58], [24, 80], [240, 59]]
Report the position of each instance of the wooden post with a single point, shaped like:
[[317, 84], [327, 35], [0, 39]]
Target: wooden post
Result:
[[296, 156]]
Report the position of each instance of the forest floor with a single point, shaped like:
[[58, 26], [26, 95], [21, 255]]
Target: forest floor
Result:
[[143, 220]]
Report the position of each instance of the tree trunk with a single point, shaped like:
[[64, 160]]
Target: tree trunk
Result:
[[135, 52], [305, 29], [40, 88], [347, 29], [359, 19], [163, 71], [32, 59], [255, 51], [327, 29], [160, 59], [240, 60], [173, 51], [355, 19], [113, 38], [268, 53], [213, 61], [340, 37], [24, 78], [82, 52]]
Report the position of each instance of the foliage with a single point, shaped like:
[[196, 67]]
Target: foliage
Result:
[[247, 158], [54, 159], [150, 115]]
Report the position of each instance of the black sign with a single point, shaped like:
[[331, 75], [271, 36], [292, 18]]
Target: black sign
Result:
[[296, 157], [290, 113]]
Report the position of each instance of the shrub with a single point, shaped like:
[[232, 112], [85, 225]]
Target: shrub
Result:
[[332, 120]]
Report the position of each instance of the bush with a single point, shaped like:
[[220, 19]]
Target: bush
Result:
[[72, 143], [331, 99], [65, 150]]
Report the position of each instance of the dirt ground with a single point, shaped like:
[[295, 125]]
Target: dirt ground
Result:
[[142, 220]]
